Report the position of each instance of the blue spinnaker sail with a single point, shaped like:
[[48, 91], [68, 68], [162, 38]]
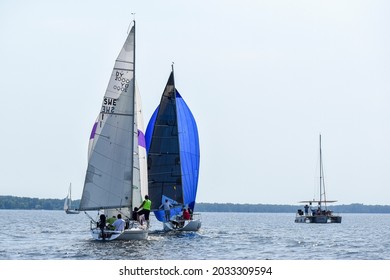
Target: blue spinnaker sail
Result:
[[172, 144]]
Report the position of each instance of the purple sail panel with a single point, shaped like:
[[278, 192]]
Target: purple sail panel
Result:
[[141, 139], [93, 131]]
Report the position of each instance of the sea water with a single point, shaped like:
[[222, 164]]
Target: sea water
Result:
[[54, 235]]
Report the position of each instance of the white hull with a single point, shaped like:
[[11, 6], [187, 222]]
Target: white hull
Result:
[[189, 225], [72, 211], [127, 234]]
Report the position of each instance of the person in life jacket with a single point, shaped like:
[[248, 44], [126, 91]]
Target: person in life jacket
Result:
[[110, 221], [145, 209], [186, 214], [102, 225]]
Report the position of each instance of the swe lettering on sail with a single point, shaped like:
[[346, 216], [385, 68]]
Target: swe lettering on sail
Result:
[[108, 105], [124, 83]]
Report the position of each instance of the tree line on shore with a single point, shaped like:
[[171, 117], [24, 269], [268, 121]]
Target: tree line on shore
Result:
[[27, 203]]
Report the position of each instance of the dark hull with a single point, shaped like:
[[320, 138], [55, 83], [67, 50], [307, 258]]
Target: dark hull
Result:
[[318, 219]]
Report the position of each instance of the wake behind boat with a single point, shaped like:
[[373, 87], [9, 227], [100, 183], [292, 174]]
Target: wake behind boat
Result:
[[116, 176], [316, 211], [173, 161]]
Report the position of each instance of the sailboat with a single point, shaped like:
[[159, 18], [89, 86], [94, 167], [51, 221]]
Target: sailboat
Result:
[[68, 203], [173, 156], [319, 214], [116, 176]]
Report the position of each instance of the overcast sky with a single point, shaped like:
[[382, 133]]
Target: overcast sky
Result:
[[262, 78]]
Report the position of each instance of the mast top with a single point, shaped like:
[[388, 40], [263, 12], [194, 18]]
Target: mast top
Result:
[[132, 22]]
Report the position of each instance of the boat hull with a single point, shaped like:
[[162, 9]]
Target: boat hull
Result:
[[188, 225], [72, 211], [318, 219], [128, 234]]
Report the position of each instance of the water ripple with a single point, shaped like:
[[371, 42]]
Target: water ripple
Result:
[[223, 236]]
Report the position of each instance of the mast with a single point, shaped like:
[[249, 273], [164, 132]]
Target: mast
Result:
[[178, 129], [173, 81], [320, 172], [134, 125], [322, 181], [134, 59]]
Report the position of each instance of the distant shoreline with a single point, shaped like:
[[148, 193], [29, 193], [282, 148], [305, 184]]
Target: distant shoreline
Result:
[[27, 203]]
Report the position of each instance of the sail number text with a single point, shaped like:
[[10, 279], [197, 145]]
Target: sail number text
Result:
[[124, 83], [108, 105]]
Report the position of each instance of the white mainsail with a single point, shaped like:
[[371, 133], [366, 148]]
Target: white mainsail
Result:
[[68, 199], [68, 202], [112, 170]]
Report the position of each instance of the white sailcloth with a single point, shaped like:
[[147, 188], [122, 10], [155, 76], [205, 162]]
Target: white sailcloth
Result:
[[68, 199], [112, 173], [140, 189]]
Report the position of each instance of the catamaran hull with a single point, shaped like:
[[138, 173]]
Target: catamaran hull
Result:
[[192, 225], [128, 234], [318, 219]]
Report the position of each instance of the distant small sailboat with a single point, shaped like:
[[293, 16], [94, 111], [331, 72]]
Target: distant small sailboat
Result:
[[68, 203], [173, 156], [321, 214], [116, 177]]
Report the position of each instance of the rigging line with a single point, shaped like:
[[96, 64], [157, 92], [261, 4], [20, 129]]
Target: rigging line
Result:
[[120, 211], [90, 217]]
